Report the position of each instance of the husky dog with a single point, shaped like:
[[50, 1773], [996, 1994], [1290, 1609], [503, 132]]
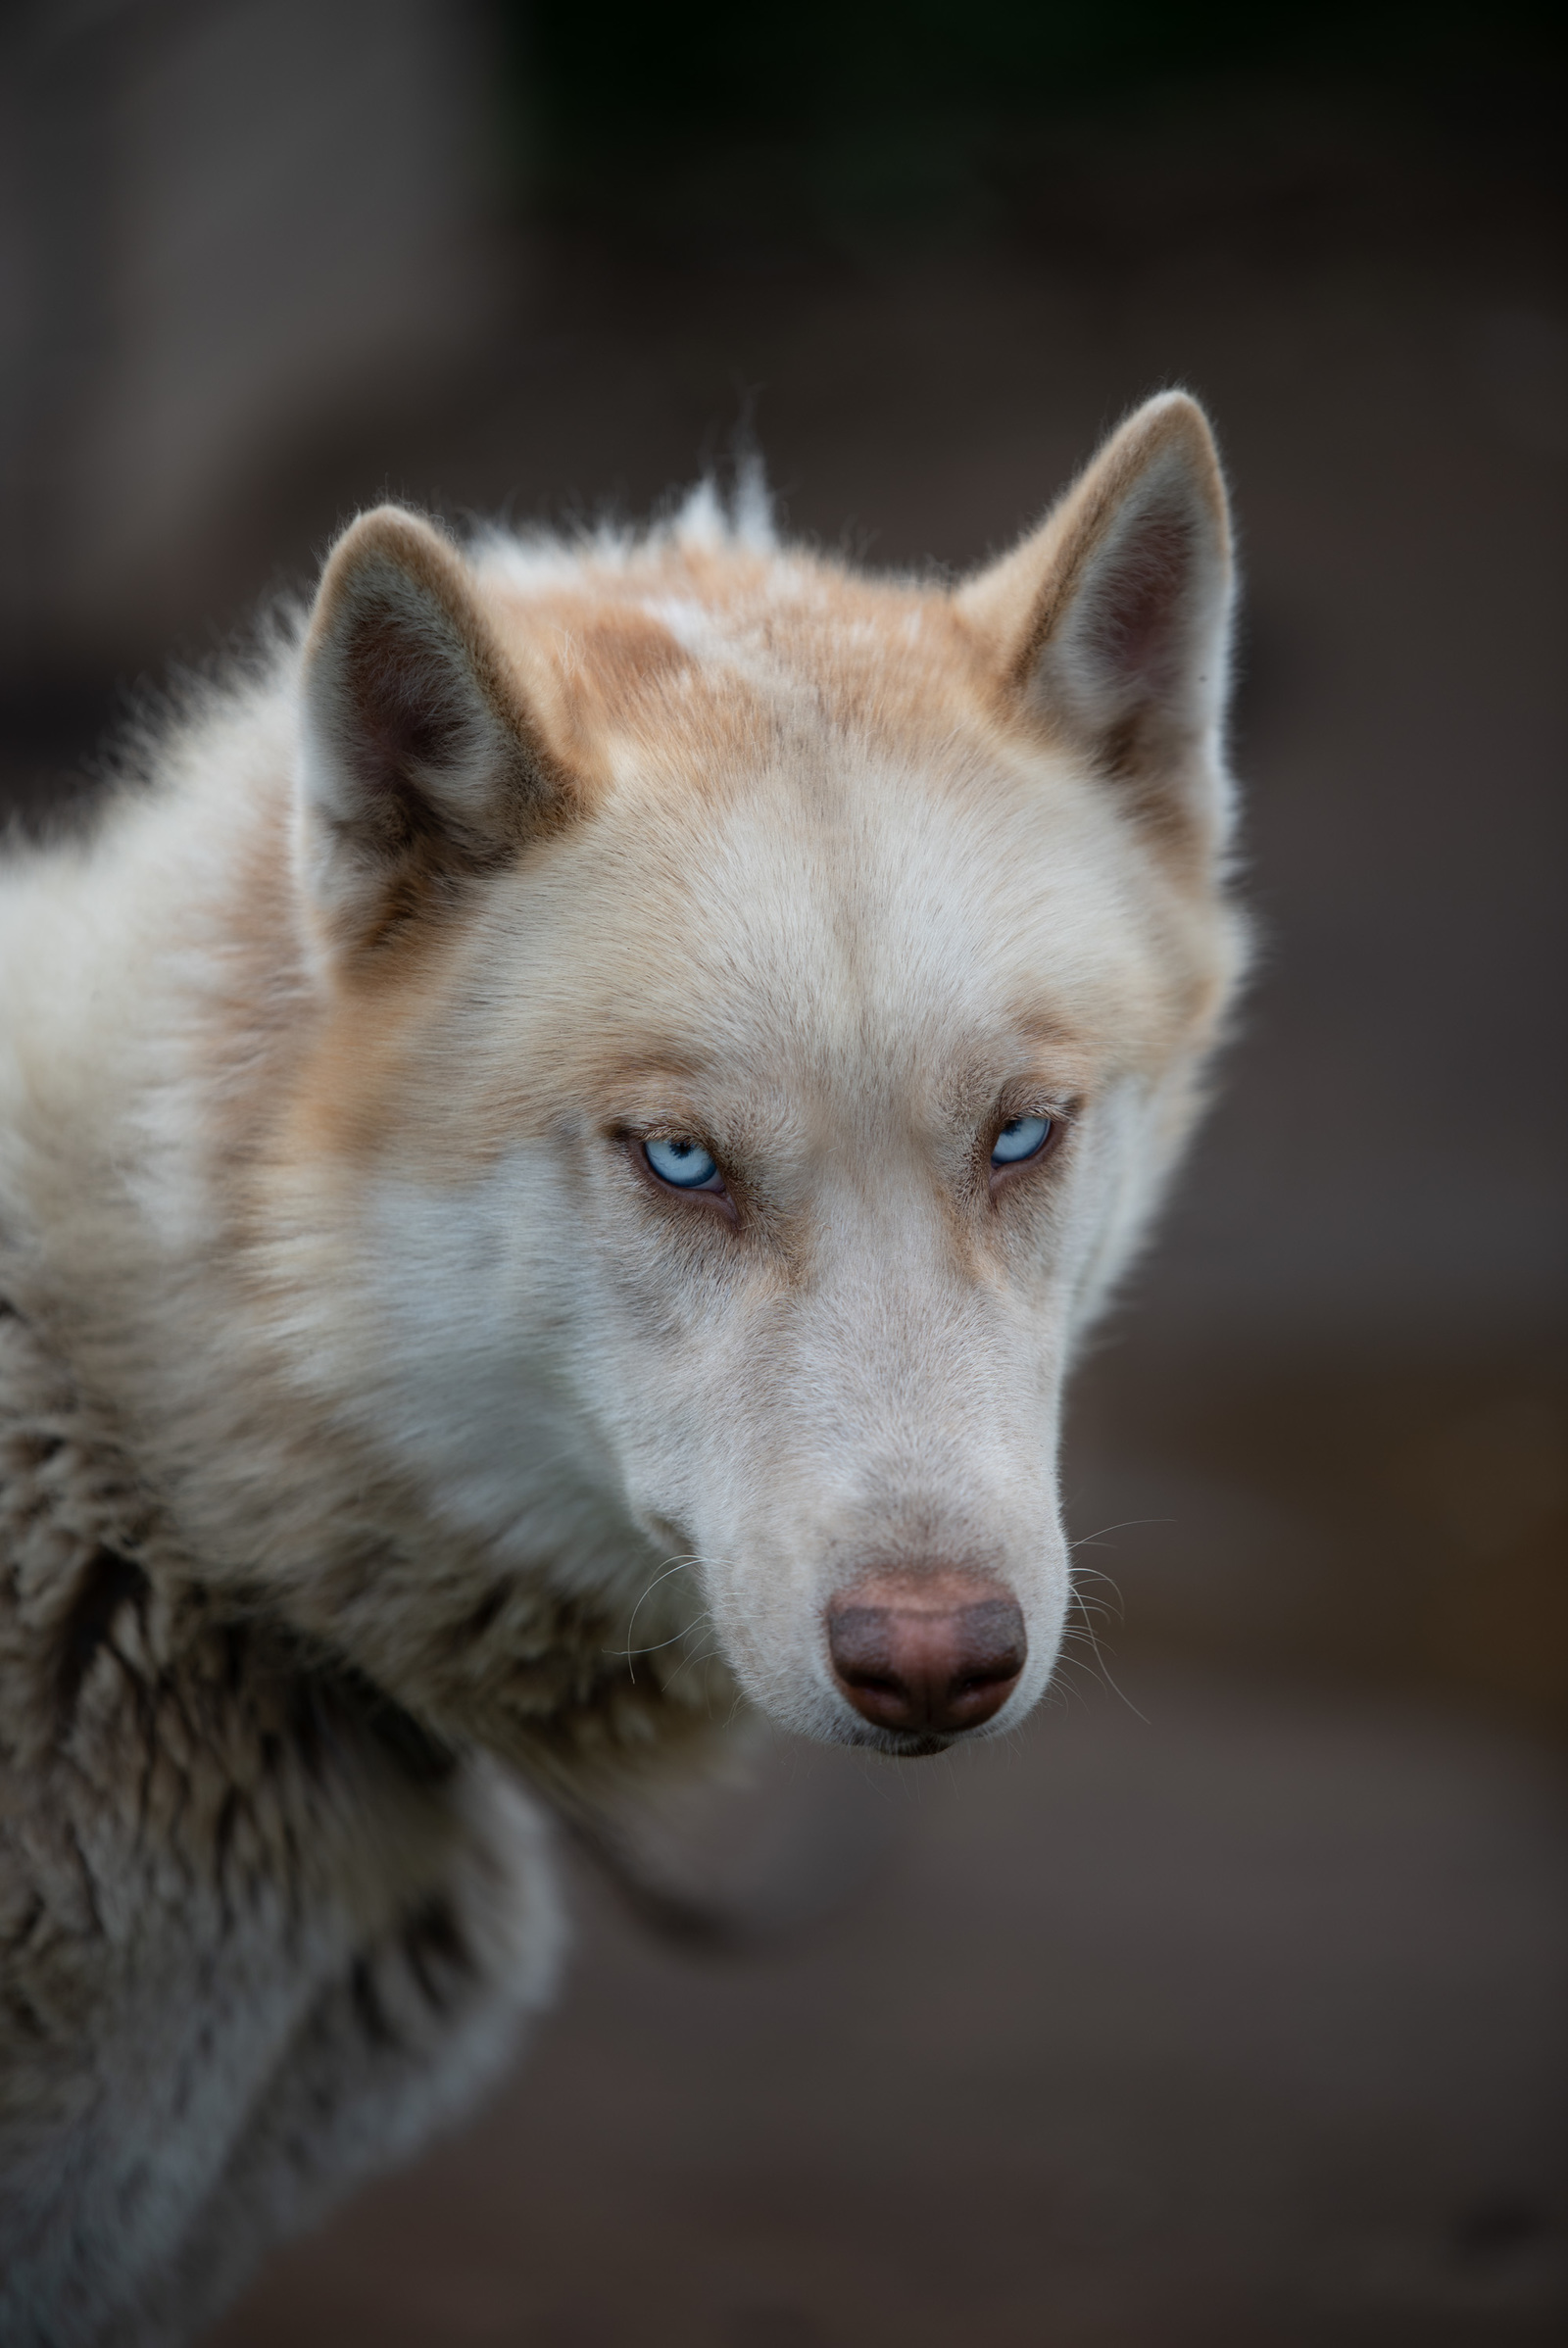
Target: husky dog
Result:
[[555, 1146]]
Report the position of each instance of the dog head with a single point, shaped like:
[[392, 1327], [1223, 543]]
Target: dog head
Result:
[[756, 1008]]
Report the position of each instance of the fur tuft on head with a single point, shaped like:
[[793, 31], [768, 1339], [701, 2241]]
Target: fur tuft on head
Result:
[[707, 519]]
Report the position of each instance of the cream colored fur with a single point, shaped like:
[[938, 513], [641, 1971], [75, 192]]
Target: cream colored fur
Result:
[[378, 1436]]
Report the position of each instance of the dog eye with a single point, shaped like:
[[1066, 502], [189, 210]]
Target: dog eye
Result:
[[1021, 1138], [684, 1165]]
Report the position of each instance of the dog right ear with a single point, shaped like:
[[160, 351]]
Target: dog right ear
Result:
[[1108, 628], [422, 764]]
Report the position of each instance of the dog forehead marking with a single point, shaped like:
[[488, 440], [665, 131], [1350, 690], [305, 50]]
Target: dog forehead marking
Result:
[[855, 896]]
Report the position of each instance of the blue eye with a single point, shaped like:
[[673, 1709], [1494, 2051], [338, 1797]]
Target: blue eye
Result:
[[1021, 1138], [684, 1165]]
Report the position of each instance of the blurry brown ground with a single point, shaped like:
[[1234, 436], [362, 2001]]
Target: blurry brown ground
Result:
[[1224, 2006]]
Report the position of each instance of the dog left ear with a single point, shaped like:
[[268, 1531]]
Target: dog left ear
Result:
[[422, 765], [1109, 627]]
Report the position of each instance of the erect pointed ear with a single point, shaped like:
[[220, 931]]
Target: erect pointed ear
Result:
[[1109, 627], [422, 765]]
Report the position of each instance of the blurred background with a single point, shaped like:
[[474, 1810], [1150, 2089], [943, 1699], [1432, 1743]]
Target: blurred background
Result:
[[1224, 2005]]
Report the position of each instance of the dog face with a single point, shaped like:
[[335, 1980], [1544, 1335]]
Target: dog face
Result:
[[760, 1006]]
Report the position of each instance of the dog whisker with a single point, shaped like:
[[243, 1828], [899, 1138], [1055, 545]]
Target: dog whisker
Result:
[[1087, 1540], [676, 1565]]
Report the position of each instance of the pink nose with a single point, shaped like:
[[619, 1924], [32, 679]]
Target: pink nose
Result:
[[929, 1656]]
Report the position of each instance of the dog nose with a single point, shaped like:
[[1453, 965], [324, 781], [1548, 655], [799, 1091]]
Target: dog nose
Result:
[[929, 1656]]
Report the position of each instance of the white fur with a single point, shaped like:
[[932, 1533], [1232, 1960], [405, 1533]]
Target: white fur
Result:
[[348, 1334]]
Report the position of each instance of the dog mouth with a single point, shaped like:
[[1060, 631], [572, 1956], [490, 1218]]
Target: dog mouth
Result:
[[898, 1745], [919, 1748]]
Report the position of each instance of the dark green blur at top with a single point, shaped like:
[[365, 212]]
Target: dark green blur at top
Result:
[[617, 88]]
